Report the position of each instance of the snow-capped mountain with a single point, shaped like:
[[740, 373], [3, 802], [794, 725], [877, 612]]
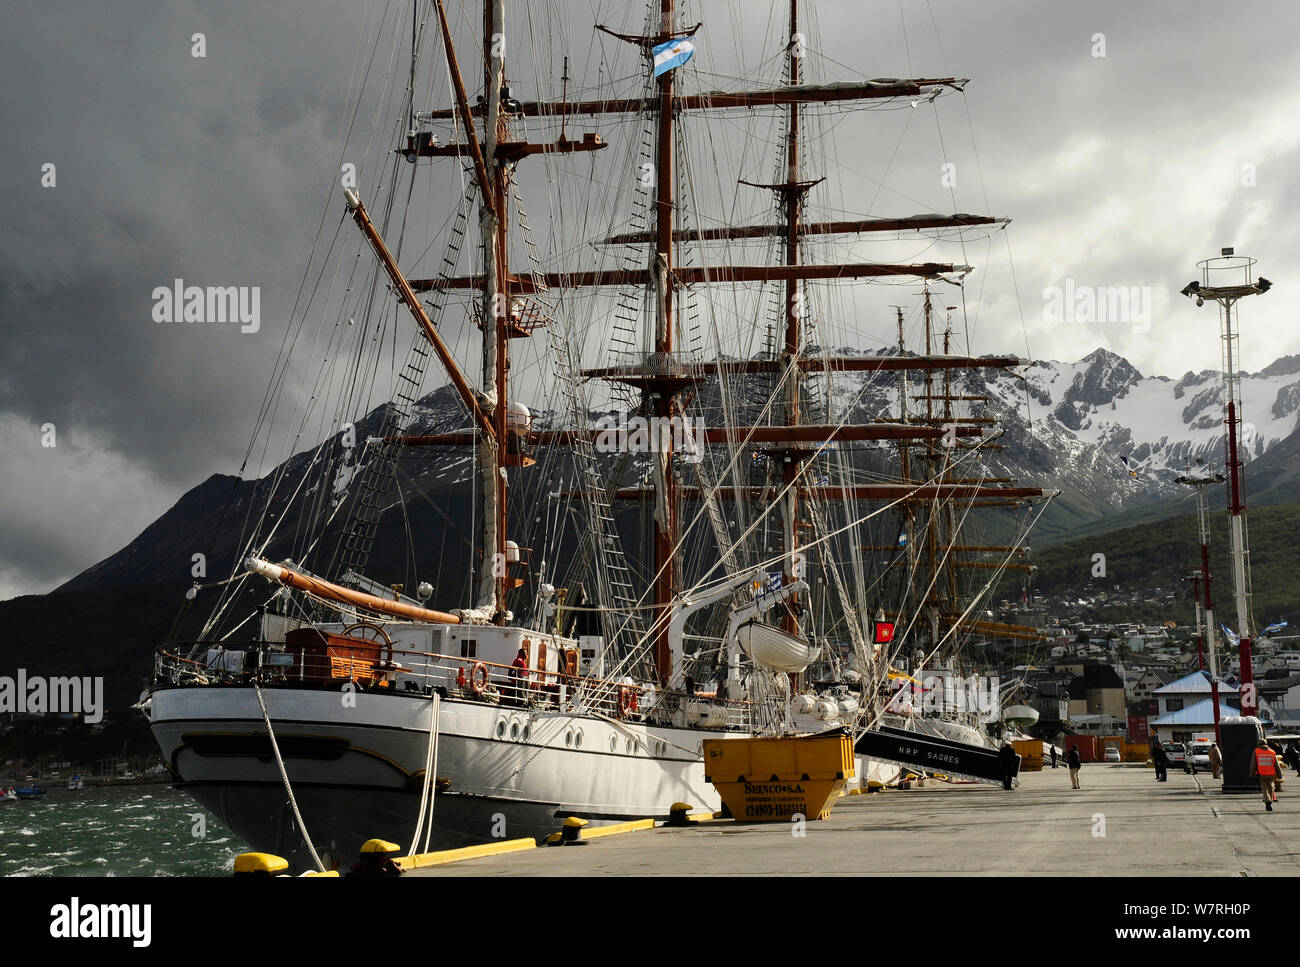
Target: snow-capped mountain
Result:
[[1099, 418], [1081, 427]]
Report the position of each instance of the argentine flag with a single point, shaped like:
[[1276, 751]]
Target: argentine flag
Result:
[[1276, 626], [672, 53], [1230, 635]]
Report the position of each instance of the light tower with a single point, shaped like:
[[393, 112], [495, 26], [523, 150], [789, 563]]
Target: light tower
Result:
[[1203, 481], [1225, 280]]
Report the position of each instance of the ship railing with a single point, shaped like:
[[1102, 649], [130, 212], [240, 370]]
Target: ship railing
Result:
[[404, 671]]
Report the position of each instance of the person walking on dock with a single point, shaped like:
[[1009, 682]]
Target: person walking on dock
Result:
[[1160, 759], [1216, 759], [1075, 762], [1292, 758], [1053, 755], [1007, 757], [1265, 767]]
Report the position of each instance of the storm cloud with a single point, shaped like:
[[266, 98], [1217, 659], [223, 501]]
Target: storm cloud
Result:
[[1125, 140]]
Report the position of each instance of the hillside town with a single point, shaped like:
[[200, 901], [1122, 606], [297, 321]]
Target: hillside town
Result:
[[1147, 683]]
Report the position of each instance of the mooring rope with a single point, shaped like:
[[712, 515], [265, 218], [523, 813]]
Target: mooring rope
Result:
[[284, 776], [430, 766]]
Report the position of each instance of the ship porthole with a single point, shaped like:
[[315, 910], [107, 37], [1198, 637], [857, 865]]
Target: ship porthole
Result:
[[568, 737], [613, 744], [514, 730], [528, 731], [628, 746], [501, 729], [577, 739]]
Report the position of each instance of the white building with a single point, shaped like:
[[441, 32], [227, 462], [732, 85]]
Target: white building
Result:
[[1181, 725], [1191, 690]]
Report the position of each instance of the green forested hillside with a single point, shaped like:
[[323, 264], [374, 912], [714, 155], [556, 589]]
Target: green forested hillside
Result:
[[1147, 556]]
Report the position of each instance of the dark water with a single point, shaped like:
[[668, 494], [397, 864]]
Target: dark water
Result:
[[114, 831]]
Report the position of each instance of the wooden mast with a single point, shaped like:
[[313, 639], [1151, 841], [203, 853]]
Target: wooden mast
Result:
[[792, 194], [904, 453], [663, 396], [494, 313], [931, 602]]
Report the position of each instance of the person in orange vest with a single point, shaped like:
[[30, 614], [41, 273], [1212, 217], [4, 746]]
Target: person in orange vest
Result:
[[1265, 766]]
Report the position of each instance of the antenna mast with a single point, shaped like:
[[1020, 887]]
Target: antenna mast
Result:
[[1202, 577], [1225, 280]]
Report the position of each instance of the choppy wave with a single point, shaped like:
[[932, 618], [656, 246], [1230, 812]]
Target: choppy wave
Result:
[[113, 831]]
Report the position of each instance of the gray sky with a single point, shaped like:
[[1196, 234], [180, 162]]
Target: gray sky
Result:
[[1120, 170]]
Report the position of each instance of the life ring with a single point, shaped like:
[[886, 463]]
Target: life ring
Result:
[[626, 701], [478, 678]]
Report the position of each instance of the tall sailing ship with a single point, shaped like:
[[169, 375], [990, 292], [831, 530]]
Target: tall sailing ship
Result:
[[706, 524]]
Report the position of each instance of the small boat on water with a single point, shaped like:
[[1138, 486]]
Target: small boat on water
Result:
[[30, 792], [8, 794], [75, 783]]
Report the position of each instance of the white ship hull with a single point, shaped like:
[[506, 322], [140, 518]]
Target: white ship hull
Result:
[[357, 772]]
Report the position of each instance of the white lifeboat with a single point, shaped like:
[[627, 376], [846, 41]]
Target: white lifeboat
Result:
[[774, 649], [1020, 715]]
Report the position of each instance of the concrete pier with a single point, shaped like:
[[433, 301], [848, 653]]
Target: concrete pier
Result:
[[1121, 823]]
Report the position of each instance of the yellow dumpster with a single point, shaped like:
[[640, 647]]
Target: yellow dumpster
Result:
[[1031, 754], [1136, 752], [775, 779]]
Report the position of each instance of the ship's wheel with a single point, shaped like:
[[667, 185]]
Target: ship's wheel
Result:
[[366, 631]]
